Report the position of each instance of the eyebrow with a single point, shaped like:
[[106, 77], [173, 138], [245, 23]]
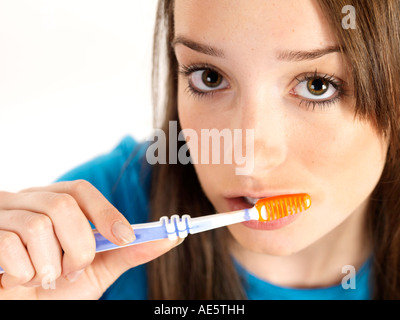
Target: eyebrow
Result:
[[306, 55], [288, 55], [199, 47]]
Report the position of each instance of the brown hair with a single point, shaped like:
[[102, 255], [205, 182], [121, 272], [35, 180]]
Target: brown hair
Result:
[[201, 267]]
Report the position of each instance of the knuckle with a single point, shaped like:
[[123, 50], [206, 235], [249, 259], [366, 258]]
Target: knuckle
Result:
[[63, 202], [8, 241], [83, 259], [49, 271], [38, 223], [3, 196], [26, 275], [9, 244], [79, 186]]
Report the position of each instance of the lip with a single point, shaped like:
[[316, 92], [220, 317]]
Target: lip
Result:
[[238, 203], [258, 194]]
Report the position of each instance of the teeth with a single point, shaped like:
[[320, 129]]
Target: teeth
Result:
[[251, 200], [264, 212], [308, 203]]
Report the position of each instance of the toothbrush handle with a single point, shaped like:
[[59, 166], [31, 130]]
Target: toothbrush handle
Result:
[[175, 227], [144, 232], [205, 223]]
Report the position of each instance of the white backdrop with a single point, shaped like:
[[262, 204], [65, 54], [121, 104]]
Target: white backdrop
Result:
[[74, 79]]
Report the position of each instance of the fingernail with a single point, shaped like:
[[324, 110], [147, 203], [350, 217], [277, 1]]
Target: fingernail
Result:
[[74, 275], [123, 232]]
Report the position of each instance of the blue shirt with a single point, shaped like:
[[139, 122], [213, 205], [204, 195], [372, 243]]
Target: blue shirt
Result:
[[123, 177]]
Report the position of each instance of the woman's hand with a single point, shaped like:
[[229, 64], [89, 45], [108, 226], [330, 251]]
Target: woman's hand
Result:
[[47, 246]]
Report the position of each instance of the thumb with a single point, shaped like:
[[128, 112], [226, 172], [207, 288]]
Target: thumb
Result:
[[109, 265]]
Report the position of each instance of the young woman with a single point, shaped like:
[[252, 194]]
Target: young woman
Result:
[[323, 103]]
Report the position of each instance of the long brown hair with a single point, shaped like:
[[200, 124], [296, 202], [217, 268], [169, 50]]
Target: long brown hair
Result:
[[201, 267]]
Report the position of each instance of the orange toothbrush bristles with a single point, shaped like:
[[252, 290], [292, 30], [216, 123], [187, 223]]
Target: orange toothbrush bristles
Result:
[[282, 206]]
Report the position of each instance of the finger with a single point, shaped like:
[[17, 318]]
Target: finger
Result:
[[110, 265], [106, 218], [37, 235], [14, 260], [71, 227]]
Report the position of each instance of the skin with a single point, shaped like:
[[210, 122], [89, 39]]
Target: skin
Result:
[[38, 224], [323, 151]]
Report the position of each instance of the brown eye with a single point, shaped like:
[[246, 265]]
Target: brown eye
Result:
[[205, 80], [211, 79], [317, 86], [314, 89]]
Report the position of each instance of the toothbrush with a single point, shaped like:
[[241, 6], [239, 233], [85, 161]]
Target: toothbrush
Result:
[[267, 209], [264, 210]]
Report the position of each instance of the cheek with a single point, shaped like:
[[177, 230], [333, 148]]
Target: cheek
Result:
[[340, 168], [343, 165], [333, 157], [348, 160], [195, 115]]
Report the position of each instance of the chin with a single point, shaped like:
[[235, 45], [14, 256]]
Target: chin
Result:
[[274, 243]]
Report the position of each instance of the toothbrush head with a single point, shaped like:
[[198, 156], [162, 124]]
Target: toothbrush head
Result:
[[282, 206]]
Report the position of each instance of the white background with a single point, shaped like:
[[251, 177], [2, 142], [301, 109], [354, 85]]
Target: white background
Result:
[[74, 79]]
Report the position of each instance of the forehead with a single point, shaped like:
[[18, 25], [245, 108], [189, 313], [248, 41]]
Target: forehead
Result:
[[266, 25]]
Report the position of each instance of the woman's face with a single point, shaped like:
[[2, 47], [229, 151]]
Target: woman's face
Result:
[[273, 67]]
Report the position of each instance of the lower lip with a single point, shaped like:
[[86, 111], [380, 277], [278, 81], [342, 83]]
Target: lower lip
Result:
[[240, 204]]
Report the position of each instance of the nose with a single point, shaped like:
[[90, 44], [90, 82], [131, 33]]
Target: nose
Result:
[[262, 111]]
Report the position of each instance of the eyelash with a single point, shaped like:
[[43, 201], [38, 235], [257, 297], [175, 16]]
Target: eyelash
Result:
[[337, 84], [186, 71]]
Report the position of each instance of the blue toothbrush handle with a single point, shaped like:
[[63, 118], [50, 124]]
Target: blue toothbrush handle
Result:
[[175, 227], [143, 234]]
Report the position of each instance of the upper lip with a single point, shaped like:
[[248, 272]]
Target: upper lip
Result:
[[259, 195]]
